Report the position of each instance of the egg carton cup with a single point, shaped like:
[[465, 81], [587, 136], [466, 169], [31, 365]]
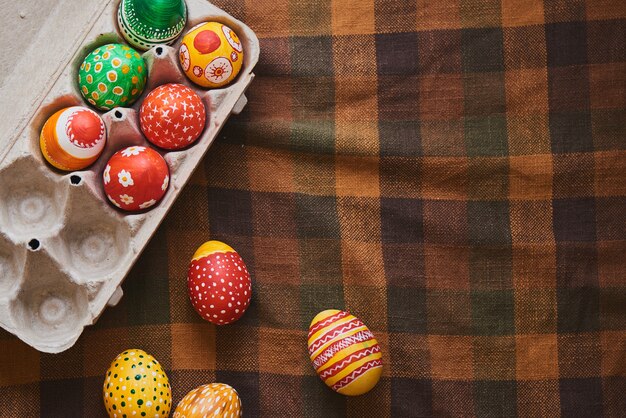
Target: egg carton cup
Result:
[[64, 250]]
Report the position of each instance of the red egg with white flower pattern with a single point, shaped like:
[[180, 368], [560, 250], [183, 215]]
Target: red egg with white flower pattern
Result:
[[135, 178], [172, 116], [219, 283]]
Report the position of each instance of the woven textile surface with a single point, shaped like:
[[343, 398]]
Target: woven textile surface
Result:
[[451, 172]]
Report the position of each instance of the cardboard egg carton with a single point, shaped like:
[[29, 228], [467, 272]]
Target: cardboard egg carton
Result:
[[64, 249]]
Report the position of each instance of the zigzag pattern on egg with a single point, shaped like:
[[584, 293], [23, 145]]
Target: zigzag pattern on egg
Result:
[[344, 352]]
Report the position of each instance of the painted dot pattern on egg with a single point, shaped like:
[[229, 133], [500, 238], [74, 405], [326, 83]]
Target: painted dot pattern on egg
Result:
[[136, 385], [112, 75], [172, 116], [212, 400], [219, 286], [344, 352]]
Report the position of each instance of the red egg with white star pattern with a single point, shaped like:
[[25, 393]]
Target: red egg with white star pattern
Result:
[[219, 283], [172, 116], [135, 178]]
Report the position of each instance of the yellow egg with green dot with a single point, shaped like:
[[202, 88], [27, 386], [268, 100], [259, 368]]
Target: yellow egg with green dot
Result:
[[136, 385]]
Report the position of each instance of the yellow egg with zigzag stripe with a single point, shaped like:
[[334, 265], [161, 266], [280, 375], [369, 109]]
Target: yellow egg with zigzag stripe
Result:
[[344, 352]]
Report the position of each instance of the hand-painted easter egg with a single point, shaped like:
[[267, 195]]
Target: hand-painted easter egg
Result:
[[112, 75], [213, 400], [73, 138], [344, 352], [211, 54], [146, 23], [172, 116], [136, 385], [219, 283], [135, 178]]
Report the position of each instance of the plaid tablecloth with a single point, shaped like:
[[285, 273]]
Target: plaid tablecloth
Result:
[[451, 172]]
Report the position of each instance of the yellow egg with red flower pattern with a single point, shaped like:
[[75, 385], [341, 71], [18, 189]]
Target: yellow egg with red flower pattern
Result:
[[211, 54]]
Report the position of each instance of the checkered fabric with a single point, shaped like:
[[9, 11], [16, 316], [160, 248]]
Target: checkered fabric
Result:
[[452, 172]]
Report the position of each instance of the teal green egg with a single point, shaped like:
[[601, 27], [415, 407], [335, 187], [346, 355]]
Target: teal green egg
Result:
[[146, 23], [112, 75]]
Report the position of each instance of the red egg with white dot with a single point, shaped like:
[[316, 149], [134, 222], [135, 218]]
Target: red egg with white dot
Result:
[[219, 283], [172, 116], [135, 178]]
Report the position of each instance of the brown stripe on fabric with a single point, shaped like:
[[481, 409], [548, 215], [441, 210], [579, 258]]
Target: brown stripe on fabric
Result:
[[232, 160], [605, 10], [613, 349], [362, 263], [535, 311], [442, 138], [534, 266], [237, 349], [271, 170], [530, 177], [607, 85], [352, 18], [280, 352], [314, 174], [573, 175], [371, 303], [538, 398], [410, 355], [378, 399], [277, 260], [102, 345], [524, 47], [611, 271], [441, 97], [586, 349], [447, 267], [536, 356], [310, 17], [609, 169], [480, 13], [492, 350], [447, 178], [357, 176], [268, 18], [20, 400], [193, 346], [521, 13], [433, 14], [451, 357], [531, 222], [19, 363], [526, 91]]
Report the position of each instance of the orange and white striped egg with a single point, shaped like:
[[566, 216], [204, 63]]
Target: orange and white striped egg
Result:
[[212, 400], [344, 352], [73, 138]]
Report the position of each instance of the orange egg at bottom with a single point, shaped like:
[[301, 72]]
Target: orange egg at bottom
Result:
[[212, 400]]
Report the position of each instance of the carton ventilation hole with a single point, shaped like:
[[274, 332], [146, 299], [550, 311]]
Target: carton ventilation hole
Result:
[[75, 180], [34, 244]]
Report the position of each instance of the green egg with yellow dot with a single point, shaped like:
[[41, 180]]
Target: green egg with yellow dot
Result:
[[136, 385], [112, 75]]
